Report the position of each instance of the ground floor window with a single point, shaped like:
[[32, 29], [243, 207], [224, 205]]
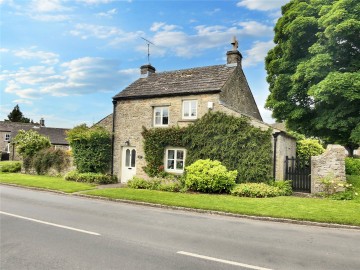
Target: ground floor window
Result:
[[175, 160]]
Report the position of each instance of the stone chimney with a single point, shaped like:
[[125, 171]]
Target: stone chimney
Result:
[[234, 56], [147, 70], [42, 122]]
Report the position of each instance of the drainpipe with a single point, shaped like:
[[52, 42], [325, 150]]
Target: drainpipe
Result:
[[113, 137], [275, 135]]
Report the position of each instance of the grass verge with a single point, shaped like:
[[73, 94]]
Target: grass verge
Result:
[[46, 182], [317, 210]]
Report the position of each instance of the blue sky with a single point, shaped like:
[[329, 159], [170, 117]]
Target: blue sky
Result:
[[64, 60]]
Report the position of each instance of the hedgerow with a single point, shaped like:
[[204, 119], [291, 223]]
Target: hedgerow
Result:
[[91, 148]]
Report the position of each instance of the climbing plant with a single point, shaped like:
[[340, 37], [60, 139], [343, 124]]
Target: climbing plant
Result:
[[216, 136], [155, 141], [233, 141]]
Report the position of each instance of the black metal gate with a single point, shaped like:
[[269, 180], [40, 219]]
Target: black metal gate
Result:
[[299, 172]]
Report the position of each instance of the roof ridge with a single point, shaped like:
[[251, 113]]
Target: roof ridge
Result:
[[203, 67]]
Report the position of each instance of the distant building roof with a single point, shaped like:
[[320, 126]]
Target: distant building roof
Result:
[[56, 135], [179, 82]]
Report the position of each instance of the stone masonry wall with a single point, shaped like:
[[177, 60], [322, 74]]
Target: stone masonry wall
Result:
[[330, 164], [286, 146], [236, 93]]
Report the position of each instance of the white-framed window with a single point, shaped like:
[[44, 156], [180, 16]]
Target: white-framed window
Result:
[[7, 137], [175, 160], [189, 109], [161, 116]]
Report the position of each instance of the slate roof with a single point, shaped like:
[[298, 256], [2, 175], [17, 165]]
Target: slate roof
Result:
[[180, 82], [56, 135]]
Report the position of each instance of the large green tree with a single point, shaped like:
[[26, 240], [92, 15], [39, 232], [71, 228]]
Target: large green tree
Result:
[[17, 116], [313, 70]]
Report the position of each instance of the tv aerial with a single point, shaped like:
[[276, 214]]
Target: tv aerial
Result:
[[148, 42]]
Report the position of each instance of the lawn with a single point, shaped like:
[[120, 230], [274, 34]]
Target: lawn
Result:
[[319, 210], [311, 209], [46, 182]]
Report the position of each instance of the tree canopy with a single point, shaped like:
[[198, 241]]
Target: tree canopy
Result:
[[313, 70], [17, 116]]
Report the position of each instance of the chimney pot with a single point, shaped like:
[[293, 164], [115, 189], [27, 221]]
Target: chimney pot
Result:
[[42, 122]]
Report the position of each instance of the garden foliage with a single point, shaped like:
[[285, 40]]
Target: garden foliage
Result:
[[162, 184], [308, 147], [48, 158], [155, 142], [10, 166], [209, 176], [262, 190], [216, 136], [28, 143], [352, 166], [97, 178], [91, 148]]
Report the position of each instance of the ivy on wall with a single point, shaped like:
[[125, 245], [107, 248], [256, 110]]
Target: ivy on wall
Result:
[[155, 141], [216, 136]]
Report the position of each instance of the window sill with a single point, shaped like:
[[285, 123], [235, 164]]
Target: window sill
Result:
[[188, 120]]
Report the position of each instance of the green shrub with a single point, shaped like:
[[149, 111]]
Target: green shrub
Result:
[[97, 178], [285, 187], [233, 141], [91, 148], [10, 166], [352, 166], [163, 184], [255, 190], [209, 176], [45, 159], [307, 148]]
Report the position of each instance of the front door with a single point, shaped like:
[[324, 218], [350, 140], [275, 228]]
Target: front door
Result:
[[128, 168]]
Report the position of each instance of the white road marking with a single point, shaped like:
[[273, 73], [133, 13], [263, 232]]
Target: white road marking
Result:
[[49, 223], [222, 261]]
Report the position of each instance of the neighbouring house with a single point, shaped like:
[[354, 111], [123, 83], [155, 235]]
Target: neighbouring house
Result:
[[178, 98], [9, 130]]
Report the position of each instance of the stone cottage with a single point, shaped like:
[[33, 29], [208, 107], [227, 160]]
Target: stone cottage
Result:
[[9, 130], [178, 98]]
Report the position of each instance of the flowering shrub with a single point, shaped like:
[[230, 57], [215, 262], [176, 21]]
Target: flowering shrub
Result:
[[256, 190], [209, 176]]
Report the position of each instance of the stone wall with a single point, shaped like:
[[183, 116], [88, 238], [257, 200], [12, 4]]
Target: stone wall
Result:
[[236, 93], [286, 146], [330, 164]]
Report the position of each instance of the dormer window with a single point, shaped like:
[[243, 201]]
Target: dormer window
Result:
[[161, 116], [7, 137], [189, 109]]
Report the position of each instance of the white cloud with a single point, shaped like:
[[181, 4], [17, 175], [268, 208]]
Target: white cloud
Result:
[[4, 50], [168, 40], [44, 6], [95, 2], [114, 34], [257, 53], [254, 28], [48, 58], [263, 5], [77, 77], [108, 14], [23, 101], [212, 12]]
